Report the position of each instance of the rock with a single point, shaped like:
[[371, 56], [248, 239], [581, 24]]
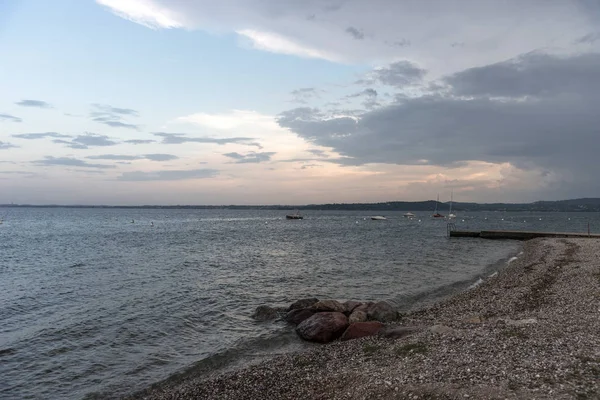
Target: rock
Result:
[[350, 306], [382, 312], [328, 305], [362, 329], [442, 330], [364, 306], [323, 327], [297, 316], [265, 313], [397, 332], [474, 320], [302, 303], [357, 316]]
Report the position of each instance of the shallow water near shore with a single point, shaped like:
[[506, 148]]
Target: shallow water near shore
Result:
[[93, 305]]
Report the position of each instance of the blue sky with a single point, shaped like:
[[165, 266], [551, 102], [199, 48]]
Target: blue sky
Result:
[[254, 102]]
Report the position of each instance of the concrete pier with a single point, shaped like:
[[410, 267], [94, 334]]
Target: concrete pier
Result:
[[520, 235]]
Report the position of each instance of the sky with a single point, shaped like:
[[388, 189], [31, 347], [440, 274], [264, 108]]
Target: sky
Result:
[[167, 102]]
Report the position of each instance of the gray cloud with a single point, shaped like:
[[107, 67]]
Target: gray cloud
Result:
[[590, 38], [303, 95], [68, 161], [398, 43], [43, 135], [370, 96], [535, 111], [251, 157], [114, 157], [86, 141], [533, 74], [317, 152], [10, 118], [6, 145], [124, 157], [33, 103], [179, 138], [399, 74], [139, 141], [168, 175], [113, 116], [160, 157], [355, 33]]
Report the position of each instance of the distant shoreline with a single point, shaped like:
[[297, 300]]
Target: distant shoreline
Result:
[[574, 205]]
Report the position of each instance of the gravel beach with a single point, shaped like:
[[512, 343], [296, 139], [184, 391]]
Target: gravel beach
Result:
[[530, 332]]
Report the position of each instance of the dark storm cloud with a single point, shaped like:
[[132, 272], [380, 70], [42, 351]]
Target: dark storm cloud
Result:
[[179, 138], [33, 103], [355, 33], [6, 145], [251, 157], [86, 141], [536, 111], [168, 175], [113, 116], [42, 135], [70, 162], [10, 118]]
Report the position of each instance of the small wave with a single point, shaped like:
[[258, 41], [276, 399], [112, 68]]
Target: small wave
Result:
[[77, 265], [7, 352], [511, 260], [477, 283], [494, 274]]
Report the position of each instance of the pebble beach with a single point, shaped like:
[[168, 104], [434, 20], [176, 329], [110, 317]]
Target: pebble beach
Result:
[[532, 331]]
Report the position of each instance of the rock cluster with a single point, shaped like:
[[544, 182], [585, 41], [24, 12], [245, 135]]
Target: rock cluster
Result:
[[326, 320]]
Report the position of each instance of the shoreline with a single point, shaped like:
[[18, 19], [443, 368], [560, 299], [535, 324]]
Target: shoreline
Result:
[[221, 364], [528, 332]]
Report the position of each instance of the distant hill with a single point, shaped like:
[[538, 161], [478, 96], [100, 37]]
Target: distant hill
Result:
[[585, 204]]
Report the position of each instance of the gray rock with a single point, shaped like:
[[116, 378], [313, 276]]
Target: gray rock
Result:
[[357, 316], [350, 305], [302, 303], [323, 327], [265, 313], [329, 305], [382, 312], [297, 316], [397, 332], [442, 330]]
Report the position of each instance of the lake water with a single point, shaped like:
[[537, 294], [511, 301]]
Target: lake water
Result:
[[93, 305]]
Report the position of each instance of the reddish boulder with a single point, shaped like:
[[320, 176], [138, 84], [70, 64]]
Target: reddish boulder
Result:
[[363, 307], [299, 315], [362, 329], [323, 327], [302, 303]]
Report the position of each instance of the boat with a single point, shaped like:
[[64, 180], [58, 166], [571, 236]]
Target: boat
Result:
[[436, 214], [409, 215], [450, 215], [378, 218], [295, 215]]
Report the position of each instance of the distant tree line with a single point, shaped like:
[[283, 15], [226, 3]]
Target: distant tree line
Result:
[[586, 204]]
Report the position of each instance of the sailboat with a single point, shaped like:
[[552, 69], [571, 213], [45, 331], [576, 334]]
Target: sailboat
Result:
[[436, 214], [450, 215]]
